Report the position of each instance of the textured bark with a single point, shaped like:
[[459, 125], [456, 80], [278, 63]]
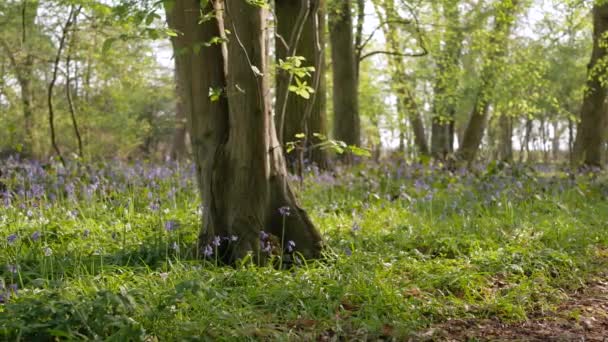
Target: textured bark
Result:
[[446, 84], [590, 136], [240, 165], [301, 115], [475, 129], [345, 93]]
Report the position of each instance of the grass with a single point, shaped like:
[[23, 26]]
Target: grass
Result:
[[88, 253]]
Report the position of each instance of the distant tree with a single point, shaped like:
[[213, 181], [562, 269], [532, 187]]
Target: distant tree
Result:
[[346, 122], [18, 43], [446, 81], [300, 32], [504, 18], [240, 166]]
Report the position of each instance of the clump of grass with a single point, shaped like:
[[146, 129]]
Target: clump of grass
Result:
[[107, 254]]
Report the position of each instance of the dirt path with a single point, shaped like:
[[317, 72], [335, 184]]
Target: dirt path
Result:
[[583, 317]]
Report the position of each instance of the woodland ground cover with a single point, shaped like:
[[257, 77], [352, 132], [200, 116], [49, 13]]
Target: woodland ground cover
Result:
[[106, 251]]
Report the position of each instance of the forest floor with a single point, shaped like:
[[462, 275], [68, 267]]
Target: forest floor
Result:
[[413, 252], [582, 317]]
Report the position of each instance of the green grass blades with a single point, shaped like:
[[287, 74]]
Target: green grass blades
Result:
[[105, 252]]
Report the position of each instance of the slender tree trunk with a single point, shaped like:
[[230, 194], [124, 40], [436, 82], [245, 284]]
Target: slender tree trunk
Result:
[[240, 164], [557, 132], [474, 131], [64, 33], [178, 146], [589, 143], [345, 94], [68, 91], [506, 138], [307, 116]]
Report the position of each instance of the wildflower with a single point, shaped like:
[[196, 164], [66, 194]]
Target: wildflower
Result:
[[234, 238], [154, 206], [171, 225], [356, 227], [266, 247], [12, 268], [208, 251], [217, 241], [48, 251], [86, 233], [164, 276], [14, 288], [12, 238], [285, 211], [263, 235], [347, 251], [291, 246], [35, 236]]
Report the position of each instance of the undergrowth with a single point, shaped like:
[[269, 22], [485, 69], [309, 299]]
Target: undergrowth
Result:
[[106, 252]]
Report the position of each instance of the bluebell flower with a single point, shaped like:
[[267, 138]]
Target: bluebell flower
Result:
[[285, 211], [48, 251], [291, 246], [217, 241], [12, 268], [263, 235], [12, 238], [208, 251], [86, 233], [35, 236], [171, 225]]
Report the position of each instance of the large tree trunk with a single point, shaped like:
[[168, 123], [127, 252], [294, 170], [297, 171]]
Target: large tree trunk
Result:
[[301, 30], [240, 165], [446, 84], [589, 141], [473, 135], [345, 93]]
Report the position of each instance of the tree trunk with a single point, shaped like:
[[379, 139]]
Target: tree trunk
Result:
[[446, 84], [345, 94], [240, 164], [505, 152], [178, 146], [555, 141], [504, 18], [307, 116], [406, 103], [589, 141]]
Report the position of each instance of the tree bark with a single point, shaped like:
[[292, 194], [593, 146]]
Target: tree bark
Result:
[[240, 165], [589, 143], [473, 135], [301, 115], [345, 86]]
